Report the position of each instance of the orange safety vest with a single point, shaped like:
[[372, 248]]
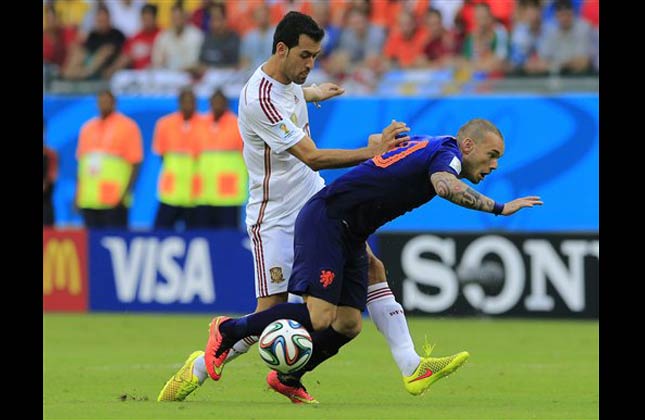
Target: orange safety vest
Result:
[[176, 140], [221, 178], [107, 149]]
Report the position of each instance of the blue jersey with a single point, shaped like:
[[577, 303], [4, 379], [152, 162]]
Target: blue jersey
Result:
[[389, 185]]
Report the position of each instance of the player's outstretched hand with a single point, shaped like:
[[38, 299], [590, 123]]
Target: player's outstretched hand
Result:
[[519, 203], [327, 90], [388, 139]]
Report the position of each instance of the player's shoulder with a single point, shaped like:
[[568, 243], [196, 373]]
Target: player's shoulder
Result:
[[253, 84], [262, 86], [445, 143], [253, 90], [259, 109], [448, 148], [436, 143]]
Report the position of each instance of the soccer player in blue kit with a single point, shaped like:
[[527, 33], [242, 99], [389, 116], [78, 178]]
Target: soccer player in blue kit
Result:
[[330, 266]]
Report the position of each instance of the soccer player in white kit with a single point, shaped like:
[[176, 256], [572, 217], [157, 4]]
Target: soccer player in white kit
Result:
[[283, 161]]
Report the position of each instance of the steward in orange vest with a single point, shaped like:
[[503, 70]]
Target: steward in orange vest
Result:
[[175, 139], [221, 178], [109, 153]]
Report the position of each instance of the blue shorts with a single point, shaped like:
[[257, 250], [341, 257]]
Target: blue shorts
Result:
[[328, 263]]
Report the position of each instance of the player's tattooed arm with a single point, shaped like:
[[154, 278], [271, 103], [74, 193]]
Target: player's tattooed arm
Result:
[[449, 187]]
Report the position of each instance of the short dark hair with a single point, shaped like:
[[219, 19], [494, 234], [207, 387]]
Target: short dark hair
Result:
[[563, 5], [149, 8], [433, 11], [294, 24], [186, 90], [107, 92], [218, 92], [476, 128], [102, 8]]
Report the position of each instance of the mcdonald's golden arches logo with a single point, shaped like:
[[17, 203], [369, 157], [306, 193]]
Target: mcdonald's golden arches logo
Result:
[[61, 267]]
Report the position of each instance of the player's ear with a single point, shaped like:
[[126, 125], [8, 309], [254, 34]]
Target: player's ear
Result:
[[281, 49], [468, 145]]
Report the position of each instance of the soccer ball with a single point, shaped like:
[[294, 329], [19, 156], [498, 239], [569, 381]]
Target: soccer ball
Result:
[[285, 346]]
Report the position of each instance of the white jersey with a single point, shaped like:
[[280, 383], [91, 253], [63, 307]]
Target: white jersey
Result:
[[273, 117]]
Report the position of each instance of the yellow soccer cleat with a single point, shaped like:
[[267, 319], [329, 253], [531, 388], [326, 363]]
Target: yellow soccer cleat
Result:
[[182, 383], [431, 369]]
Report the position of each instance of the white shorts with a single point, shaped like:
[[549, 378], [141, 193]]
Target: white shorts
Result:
[[272, 248]]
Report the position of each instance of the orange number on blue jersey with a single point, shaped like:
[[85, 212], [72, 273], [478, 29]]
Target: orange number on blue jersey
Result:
[[392, 156]]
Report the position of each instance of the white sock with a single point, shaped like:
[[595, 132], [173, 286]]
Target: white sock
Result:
[[390, 320], [241, 347], [199, 369]]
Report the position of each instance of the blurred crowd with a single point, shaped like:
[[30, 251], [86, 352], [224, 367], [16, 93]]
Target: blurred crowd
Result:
[[94, 39]]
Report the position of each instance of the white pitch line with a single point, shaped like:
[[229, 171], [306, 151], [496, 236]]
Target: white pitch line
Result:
[[135, 366]]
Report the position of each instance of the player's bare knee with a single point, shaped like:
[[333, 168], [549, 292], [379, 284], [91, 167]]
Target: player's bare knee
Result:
[[348, 326], [348, 322], [322, 313], [321, 320]]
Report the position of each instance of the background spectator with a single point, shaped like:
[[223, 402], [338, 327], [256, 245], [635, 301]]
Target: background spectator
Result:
[[322, 14], [240, 14], [360, 45], [526, 35], [177, 48], [100, 49], [137, 51], [221, 46], [486, 47], [440, 47], [500, 10], [383, 12], [257, 44], [57, 39], [549, 10], [355, 50], [405, 42], [126, 15], [566, 47], [109, 153], [89, 18]]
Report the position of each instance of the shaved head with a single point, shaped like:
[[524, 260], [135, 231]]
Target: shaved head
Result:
[[476, 129]]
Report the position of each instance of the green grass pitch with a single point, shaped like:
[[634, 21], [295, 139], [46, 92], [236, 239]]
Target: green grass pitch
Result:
[[112, 366]]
